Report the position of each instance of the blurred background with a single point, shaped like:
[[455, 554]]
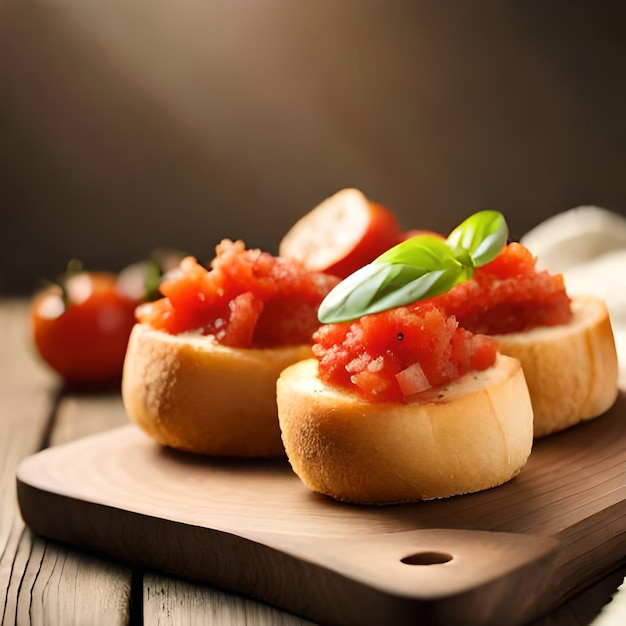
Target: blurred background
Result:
[[131, 124]]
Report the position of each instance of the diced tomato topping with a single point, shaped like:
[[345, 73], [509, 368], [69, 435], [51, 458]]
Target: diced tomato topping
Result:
[[376, 354], [247, 298], [392, 355], [508, 295]]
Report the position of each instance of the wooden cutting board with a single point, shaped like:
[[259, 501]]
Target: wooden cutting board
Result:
[[505, 555]]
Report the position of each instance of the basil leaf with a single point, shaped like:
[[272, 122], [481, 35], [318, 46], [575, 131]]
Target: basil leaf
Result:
[[354, 294], [483, 235], [416, 269], [425, 251], [411, 284], [380, 286]]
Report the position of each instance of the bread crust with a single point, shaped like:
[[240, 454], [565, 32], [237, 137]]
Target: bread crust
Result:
[[473, 434], [190, 393], [571, 370]]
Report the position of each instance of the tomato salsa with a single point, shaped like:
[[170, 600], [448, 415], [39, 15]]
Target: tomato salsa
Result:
[[508, 295], [390, 356], [247, 299]]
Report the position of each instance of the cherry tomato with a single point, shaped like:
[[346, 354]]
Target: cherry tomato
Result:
[[81, 327], [342, 234]]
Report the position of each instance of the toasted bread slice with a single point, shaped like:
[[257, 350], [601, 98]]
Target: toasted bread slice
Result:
[[571, 369], [473, 434], [191, 393]]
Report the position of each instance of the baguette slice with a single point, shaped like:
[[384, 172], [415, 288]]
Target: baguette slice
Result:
[[191, 393], [473, 434], [571, 370]]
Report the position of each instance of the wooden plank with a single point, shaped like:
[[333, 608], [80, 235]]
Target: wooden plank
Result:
[[79, 415], [27, 393], [58, 585], [42, 581], [171, 602]]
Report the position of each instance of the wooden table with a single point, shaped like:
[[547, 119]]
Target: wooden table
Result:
[[44, 582]]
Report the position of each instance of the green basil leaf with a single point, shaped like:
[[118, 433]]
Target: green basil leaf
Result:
[[354, 294], [482, 235], [416, 269], [380, 286], [410, 284], [424, 251]]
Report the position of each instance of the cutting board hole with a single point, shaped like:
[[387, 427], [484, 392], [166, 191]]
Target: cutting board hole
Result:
[[427, 558]]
